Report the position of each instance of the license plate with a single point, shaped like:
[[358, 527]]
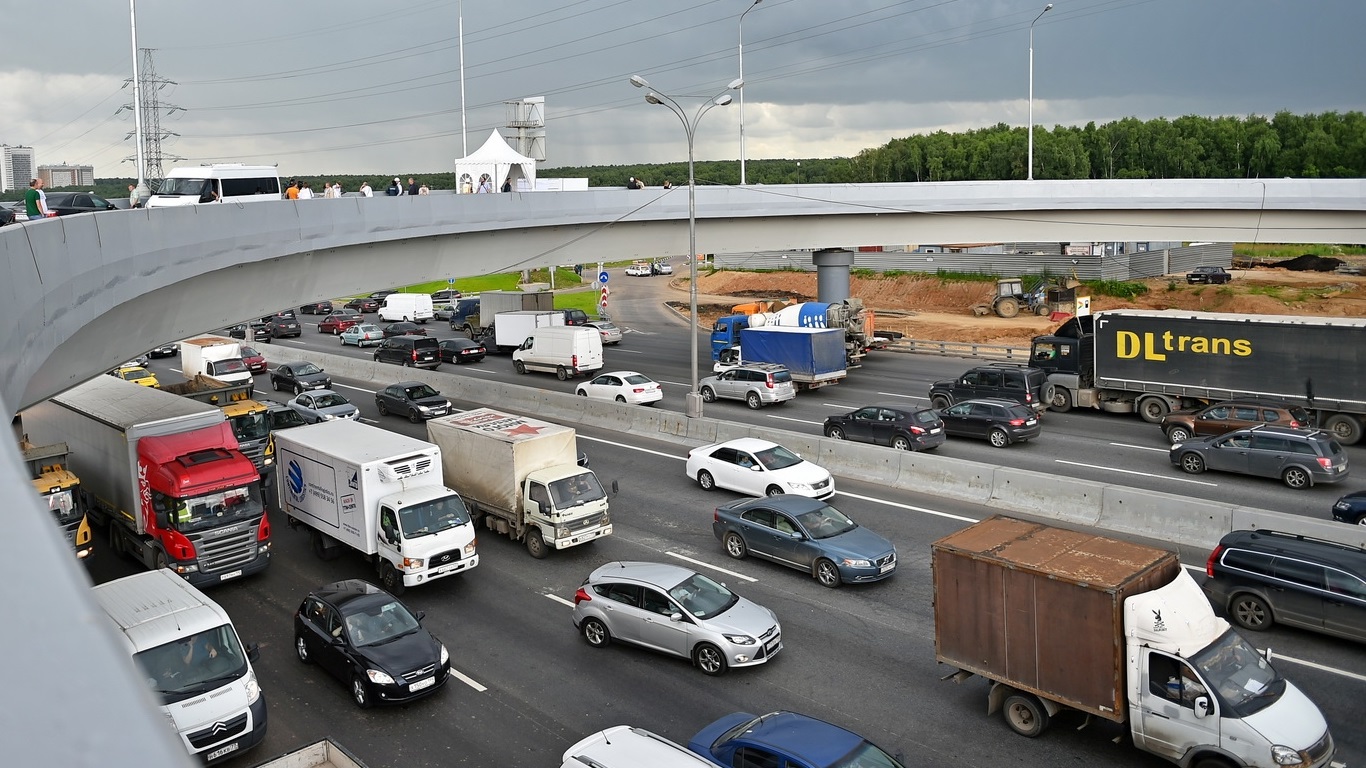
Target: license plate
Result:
[[1031, 422], [217, 753], [225, 577], [887, 567], [422, 684], [935, 431]]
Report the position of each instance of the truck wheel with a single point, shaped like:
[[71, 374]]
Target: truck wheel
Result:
[[708, 396], [390, 578], [1025, 715], [115, 541], [1061, 400], [1250, 612], [709, 659], [1007, 307], [595, 633], [998, 438], [1345, 428], [535, 544], [827, 574], [160, 561], [834, 433], [1192, 464], [359, 692], [940, 402], [518, 366], [1042, 310], [1152, 409], [735, 546], [1296, 478], [753, 401], [561, 373], [1178, 435], [705, 480]]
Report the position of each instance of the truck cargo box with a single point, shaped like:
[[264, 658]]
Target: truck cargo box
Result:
[[810, 354], [1042, 609], [487, 454]]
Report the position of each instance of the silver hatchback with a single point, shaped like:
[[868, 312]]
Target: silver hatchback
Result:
[[758, 384], [677, 611]]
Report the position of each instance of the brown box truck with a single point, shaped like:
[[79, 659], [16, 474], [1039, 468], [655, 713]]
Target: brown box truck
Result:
[[1059, 619]]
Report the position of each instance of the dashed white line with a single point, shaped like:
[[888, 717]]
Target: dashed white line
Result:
[[898, 394], [348, 386], [1141, 447], [799, 421], [1136, 472], [713, 567], [910, 507], [467, 680], [632, 447], [631, 351], [1315, 665], [561, 600]]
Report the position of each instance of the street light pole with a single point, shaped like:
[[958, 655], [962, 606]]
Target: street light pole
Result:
[[693, 398], [1030, 173], [742, 88]]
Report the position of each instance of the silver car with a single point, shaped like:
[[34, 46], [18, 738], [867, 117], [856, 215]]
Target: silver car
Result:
[[323, 405], [676, 611], [758, 384], [610, 333]]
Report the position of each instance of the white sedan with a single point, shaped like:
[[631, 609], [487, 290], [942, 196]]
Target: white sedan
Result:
[[757, 468], [622, 386]]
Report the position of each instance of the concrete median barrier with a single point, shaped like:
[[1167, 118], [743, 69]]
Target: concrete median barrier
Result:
[[1250, 519], [946, 477], [1164, 517], [1037, 493]]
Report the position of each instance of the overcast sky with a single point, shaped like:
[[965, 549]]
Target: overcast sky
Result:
[[343, 86]]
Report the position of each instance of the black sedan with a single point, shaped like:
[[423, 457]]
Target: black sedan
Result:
[[1212, 275], [316, 308], [1351, 509], [67, 203], [461, 351], [7, 216], [413, 399], [806, 534], [403, 329], [1000, 421], [363, 305], [299, 377], [170, 349], [368, 639], [259, 332], [905, 429]]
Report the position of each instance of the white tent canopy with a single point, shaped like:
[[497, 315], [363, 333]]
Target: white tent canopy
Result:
[[496, 162]]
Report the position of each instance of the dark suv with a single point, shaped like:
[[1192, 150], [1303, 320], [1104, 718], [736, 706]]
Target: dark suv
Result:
[[1229, 415], [575, 317], [1299, 457], [410, 351], [465, 316], [1264, 577], [1026, 386]]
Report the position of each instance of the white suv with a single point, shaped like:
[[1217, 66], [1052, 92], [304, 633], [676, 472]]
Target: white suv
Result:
[[623, 746], [758, 384]]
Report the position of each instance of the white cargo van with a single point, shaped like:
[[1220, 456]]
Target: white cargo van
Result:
[[411, 307], [568, 350], [217, 183], [185, 646]]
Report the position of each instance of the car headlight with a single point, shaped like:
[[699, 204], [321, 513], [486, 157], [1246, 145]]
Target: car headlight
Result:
[[740, 639], [470, 547], [1342, 506], [445, 656], [412, 564], [1286, 756], [424, 409], [800, 486], [378, 677], [253, 688], [854, 562]]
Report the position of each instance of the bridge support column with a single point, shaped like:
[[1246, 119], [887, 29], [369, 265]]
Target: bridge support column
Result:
[[832, 274]]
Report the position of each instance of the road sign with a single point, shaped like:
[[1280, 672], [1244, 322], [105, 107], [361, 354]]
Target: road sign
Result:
[[603, 301], [450, 281], [602, 277]]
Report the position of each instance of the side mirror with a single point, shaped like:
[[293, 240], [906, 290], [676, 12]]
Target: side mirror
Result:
[[796, 536], [755, 468], [675, 617], [544, 507], [253, 652], [1203, 707]]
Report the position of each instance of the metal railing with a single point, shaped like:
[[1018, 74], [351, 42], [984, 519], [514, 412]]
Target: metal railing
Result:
[[960, 349]]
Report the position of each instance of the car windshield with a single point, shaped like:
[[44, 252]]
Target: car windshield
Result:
[[306, 369], [432, 517], [286, 418], [329, 401], [133, 374], [231, 365], [866, 755], [777, 457], [419, 392], [62, 504], [182, 187], [250, 352], [826, 522], [379, 623], [190, 666], [576, 490], [702, 597], [215, 510], [638, 379], [1241, 678], [251, 426]]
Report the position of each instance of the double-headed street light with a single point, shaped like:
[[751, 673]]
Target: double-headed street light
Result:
[[1030, 173], [742, 89], [694, 399]]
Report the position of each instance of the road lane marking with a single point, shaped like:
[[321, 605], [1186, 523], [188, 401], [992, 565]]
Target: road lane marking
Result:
[[1142, 447], [632, 351], [369, 421], [1136, 472], [910, 507], [559, 599], [713, 567], [1315, 665], [898, 394], [467, 680], [673, 383], [799, 421], [358, 389]]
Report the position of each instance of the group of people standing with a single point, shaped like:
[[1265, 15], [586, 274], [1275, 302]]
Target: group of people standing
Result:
[[302, 190]]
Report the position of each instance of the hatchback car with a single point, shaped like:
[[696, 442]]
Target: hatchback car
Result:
[[363, 305], [1000, 422], [410, 351], [284, 327], [369, 640], [362, 335], [623, 387], [299, 377], [254, 360], [610, 333], [136, 374], [787, 739], [1351, 509], [661, 268], [905, 429], [316, 308], [1212, 275], [622, 746], [575, 317], [1299, 457], [340, 320], [757, 468], [413, 399], [460, 351], [1229, 415], [1026, 386], [1264, 577], [758, 384], [403, 328], [806, 534], [638, 269], [323, 405], [677, 611], [67, 203]]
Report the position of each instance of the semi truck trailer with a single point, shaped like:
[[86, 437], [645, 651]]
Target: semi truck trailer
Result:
[[1154, 362], [848, 316]]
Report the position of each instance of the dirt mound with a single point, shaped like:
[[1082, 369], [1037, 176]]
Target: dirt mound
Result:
[[1311, 263]]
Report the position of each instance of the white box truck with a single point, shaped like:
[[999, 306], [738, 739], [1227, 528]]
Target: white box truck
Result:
[[216, 357], [379, 492], [521, 477], [184, 644], [408, 307], [510, 329]]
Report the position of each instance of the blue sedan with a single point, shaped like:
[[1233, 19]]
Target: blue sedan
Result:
[[806, 534], [786, 738]]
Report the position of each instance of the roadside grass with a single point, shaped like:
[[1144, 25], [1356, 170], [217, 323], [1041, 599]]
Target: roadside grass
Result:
[[1291, 250]]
